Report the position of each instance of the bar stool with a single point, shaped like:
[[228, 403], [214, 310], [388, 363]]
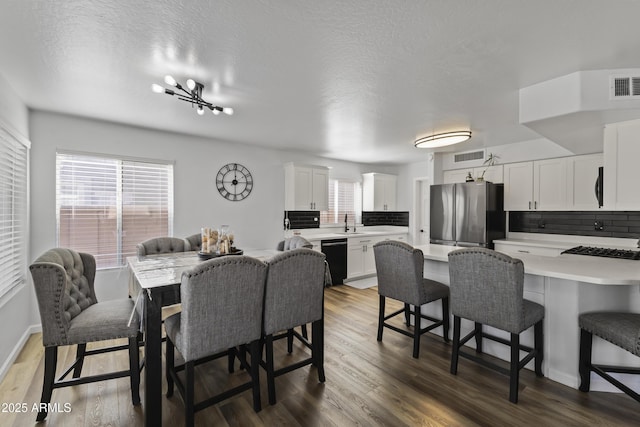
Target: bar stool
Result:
[[487, 287]]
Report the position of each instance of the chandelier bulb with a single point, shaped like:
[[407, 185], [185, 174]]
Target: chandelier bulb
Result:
[[170, 80], [157, 88], [191, 84], [228, 110], [200, 110]]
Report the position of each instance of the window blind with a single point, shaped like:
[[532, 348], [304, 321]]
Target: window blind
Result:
[[106, 206], [345, 197], [14, 156]]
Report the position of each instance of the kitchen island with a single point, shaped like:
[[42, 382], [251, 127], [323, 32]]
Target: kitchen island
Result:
[[566, 285]]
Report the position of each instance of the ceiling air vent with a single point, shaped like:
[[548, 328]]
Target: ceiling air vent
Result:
[[625, 87], [468, 156]]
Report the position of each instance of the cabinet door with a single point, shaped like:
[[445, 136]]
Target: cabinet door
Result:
[[303, 189], [518, 186], [550, 184], [581, 181], [379, 201], [389, 185], [355, 261], [621, 154], [369, 260], [320, 190]]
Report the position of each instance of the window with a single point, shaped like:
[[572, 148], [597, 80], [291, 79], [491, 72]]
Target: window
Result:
[[345, 197], [14, 172], [106, 206]]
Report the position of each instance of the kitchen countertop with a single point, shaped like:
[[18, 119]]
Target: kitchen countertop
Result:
[[360, 232], [581, 268]]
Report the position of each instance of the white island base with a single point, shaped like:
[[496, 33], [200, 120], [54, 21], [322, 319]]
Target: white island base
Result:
[[566, 286]]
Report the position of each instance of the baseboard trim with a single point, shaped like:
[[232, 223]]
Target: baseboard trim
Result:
[[17, 349]]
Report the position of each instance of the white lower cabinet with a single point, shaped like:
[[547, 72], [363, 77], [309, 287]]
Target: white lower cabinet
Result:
[[360, 257]]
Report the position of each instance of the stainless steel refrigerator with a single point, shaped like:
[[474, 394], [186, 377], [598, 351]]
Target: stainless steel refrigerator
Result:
[[467, 214]]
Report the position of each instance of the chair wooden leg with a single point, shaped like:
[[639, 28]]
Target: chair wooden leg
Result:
[[445, 319], [290, 341], [584, 367], [271, 385], [169, 366], [539, 346], [478, 336], [50, 362], [381, 318], [134, 370], [77, 371], [255, 350], [317, 345], [416, 331], [407, 314], [189, 414], [514, 374], [231, 358], [456, 345]]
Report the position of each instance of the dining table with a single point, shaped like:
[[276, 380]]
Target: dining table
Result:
[[155, 283]]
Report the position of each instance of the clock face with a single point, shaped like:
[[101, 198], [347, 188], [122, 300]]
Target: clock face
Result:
[[234, 182]]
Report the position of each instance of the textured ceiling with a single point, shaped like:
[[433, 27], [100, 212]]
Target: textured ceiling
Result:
[[356, 80]]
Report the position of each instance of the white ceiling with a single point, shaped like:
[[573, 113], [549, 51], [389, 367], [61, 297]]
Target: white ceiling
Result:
[[355, 80]]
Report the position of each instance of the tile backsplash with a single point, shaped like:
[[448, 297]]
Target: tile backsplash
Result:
[[303, 219], [623, 224], [400, 218]]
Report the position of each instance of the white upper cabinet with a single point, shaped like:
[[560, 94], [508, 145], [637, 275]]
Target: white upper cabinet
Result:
[[378, 192], [456, 176], [538, 185], [550, 184], [581, 181], [621, 160], [306, 188]]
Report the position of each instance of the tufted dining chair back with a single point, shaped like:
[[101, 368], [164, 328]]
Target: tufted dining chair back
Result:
[[71, 315], [195, 242], [293, 243], [162, 245]]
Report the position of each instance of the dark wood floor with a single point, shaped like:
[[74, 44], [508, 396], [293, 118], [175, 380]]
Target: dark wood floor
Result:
[[368, 383]]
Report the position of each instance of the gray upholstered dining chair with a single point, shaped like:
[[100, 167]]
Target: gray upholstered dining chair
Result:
[[71, 315], [293, 242], [294, 296], [288, 244], [221, 309], [195, 242], [400, 270], [619, 328], [162, 245], [487, 287]]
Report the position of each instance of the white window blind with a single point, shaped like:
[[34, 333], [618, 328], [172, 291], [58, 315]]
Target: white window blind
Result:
[[106, 206], [14, 156], [345, 197]]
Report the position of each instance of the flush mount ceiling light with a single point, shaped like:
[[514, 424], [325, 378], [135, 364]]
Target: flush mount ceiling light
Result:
[[443, 139], [193, 95]]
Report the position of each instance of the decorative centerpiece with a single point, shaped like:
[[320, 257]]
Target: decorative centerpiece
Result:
[[217, 243]]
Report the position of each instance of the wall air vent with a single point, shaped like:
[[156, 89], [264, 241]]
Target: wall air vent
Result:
[[625, 87], [468, 156]]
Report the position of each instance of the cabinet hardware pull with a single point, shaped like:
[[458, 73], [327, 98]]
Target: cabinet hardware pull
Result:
[[529, 205], [524, 252], [535, 205]]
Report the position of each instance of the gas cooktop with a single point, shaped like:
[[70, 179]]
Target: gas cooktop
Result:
[[604, 252]]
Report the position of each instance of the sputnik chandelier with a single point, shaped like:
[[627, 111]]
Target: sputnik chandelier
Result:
[[193, 95]]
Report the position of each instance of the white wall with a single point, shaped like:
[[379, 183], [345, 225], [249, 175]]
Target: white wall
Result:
[[16, 308], [256, 221]]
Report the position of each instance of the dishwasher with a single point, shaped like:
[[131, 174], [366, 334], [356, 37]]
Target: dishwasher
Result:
[[336, 252]]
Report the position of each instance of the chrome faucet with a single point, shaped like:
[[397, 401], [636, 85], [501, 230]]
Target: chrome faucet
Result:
[[346, 226]]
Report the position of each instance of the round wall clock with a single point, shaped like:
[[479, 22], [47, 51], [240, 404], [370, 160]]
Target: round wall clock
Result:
[[234, 182]]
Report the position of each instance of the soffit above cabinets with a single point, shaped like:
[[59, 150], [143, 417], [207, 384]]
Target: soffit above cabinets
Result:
[[572, 110]]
